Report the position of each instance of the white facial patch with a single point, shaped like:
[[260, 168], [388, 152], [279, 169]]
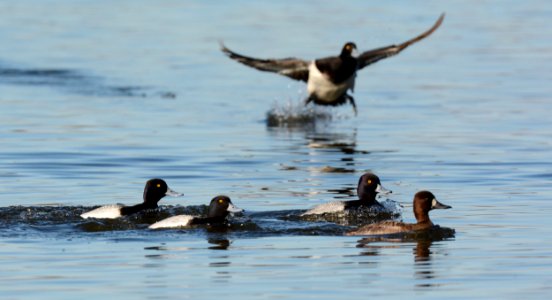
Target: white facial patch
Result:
[[433, 203]]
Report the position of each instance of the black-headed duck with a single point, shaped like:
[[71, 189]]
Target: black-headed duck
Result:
[[154, 190], [369, 186], [219, 208], [328, 79]]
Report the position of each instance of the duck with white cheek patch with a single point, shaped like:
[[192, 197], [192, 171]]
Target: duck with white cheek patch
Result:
[[424, 201]]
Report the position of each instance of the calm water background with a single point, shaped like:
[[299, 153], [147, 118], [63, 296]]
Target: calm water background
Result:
[[98, 96]]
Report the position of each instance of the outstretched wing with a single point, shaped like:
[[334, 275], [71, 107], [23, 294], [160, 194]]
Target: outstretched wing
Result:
[[372, 56], [291, 67]]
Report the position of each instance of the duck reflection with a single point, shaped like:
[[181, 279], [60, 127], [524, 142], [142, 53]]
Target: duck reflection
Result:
[[336, 148], [423, 268], [421, 251], [424, 272], [319, 148], [219, 243], [219, 261]]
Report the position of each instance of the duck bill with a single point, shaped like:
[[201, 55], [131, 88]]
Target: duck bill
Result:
[[355, 53], [381, 190], [173, 193], [233, 209], [438, 205]]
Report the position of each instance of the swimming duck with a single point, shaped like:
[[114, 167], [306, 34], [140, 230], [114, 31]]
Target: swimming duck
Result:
[[328, 79], [219, 208], [424, 201], [154, 190], [369, 185]]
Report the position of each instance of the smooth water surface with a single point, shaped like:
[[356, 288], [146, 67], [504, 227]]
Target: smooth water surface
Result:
[[96, 97]]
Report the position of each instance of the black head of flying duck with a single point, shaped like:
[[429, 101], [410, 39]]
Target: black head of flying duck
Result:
[[349, 50], [154, 190], [328, 79]]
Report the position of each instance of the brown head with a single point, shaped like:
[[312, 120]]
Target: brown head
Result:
[[424, 201]]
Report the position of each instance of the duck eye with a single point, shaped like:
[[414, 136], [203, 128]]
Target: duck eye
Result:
[[369, 181], [159, 185], [221, 201]]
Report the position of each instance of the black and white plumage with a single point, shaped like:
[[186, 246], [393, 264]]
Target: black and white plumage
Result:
[[154, 191], [328, 79], [219, 208], [369, 186]]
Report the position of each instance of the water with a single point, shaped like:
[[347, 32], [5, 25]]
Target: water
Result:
[[97, 97]]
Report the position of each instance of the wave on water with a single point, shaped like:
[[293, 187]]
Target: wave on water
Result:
[[65, 222], [297, 114], [33, 220], [433, 234], [73, 81], [390, 210]]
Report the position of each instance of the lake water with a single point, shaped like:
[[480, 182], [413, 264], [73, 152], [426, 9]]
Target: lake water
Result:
[[96, 97]]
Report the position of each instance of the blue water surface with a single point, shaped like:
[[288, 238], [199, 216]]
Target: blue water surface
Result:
[[96, 97]]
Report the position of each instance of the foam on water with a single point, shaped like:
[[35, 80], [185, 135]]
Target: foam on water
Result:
[[297, 114], [247, 224]]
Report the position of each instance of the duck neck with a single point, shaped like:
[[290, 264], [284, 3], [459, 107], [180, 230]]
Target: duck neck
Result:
[[422, 217], [209, 220], [129, 210], [368, 198]]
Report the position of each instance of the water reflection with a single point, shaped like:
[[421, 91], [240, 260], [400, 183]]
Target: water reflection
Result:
[[319, 148], [73, 81], [423, 267], [422, 254], [220, 244], [218, 261]]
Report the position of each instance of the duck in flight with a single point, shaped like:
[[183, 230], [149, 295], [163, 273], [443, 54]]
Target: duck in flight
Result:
[[328, 79]]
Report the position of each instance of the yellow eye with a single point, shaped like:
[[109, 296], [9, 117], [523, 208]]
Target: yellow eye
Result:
[[221, 201], [369, 181], [159, 185], [348, 47]]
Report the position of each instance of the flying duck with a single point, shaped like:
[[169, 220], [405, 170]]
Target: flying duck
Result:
[[328, 79]]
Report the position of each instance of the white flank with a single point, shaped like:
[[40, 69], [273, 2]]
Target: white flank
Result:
[[173, 222], [323, 88], [331, 207], [104, 212]]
